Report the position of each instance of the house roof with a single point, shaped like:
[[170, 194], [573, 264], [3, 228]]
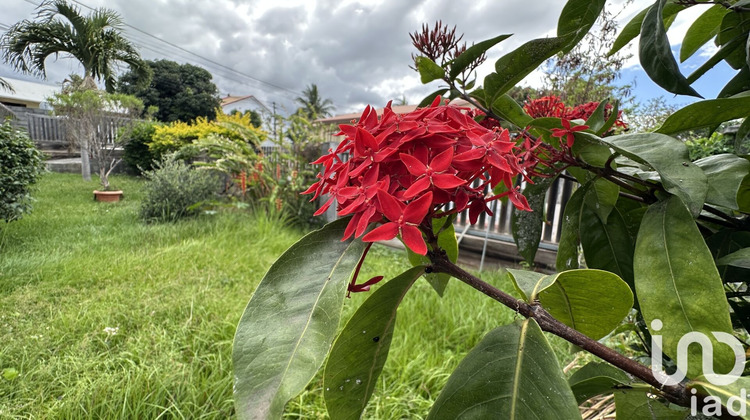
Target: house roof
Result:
[[28, 91], [398, 109], [228, 100]]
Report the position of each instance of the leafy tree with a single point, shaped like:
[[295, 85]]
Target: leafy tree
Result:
[[182, 92], [313, 105], [587, 72], [95, 40], [255, 117]]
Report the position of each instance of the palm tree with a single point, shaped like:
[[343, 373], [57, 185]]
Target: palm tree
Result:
[[4, 85], [313, 106], [95, 40]]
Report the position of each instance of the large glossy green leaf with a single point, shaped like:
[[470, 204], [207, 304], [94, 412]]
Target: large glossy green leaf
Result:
[[596, 378], [506, 107], [602, 197], [472, 53], [447, 242], [670, 158], [723, 53], [638, 405], [290, 322], [706, 113], [530, 283], [655, 54], [607, 246], [733, 27], [428, 70], [631, 30], [591, 150], [732, 396], [577, 18], [725, 174], [593, 302], [738, 84], [567, 248], [527, 225], [511, 374], [517, 64], [702, 30], [739, 258], [360, 351], [677, 283]]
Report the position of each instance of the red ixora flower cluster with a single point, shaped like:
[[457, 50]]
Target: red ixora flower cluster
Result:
[[403, 170], [552, 106]]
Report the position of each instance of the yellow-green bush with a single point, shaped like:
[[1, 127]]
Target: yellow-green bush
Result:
[[237, 127]]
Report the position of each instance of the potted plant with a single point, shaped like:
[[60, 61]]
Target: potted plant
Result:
[[97, 121]]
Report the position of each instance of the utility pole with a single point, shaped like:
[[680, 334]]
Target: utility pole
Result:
[[274, 120]]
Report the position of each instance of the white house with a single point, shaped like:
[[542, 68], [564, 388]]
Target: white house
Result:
[[27, 94]]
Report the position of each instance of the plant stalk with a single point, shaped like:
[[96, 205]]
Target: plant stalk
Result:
[[677, 394]]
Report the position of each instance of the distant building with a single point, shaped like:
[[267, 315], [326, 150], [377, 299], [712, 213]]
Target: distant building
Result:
[[26, 94], [244, 103]]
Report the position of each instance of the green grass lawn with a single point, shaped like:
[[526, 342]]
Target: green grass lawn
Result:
[[174, 294]]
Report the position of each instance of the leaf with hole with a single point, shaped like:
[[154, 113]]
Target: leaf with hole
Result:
[[360, 351], [290, 322], [500, 378]]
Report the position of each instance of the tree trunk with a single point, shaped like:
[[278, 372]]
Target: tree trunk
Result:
[[85, 164]]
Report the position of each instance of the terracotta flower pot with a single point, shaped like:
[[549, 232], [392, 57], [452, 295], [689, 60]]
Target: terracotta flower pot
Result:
[[108, 196]]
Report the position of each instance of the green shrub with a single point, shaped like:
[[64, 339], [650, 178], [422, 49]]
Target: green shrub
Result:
[[137, 154], [174, 190], [708, 146], [20, 166]]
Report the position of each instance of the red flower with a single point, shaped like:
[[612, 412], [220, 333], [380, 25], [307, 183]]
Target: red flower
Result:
[[406, 169], [568, 132]]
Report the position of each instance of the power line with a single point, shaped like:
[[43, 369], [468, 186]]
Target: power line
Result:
[[216, 63]]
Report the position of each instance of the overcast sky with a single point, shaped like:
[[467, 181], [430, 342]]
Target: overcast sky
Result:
[[357, 51]]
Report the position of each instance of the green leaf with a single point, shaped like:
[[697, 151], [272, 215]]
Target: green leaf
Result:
[[596, 378], [472, 53], [638, 405], [602, 197], [677, 282], [593, 302], [576, 19], [502, 378], [290, 322], [633, 28], [702, 30], [610, 121], [596, 120], [725, 174], [507, 108], [428, 70], [527, 225], [607, 246], [431, 97], [360, 351], [517, 64], [738, 84], [530, 283], [446, 241], [567, 249], [655, 54], [9, 374], [725, 51], [670, 158], [733, 26], [706, 113], [739, 258], [591, 151], [732, 396]]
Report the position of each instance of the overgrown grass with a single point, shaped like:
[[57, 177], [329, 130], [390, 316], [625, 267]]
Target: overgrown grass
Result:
[[175, 293]]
